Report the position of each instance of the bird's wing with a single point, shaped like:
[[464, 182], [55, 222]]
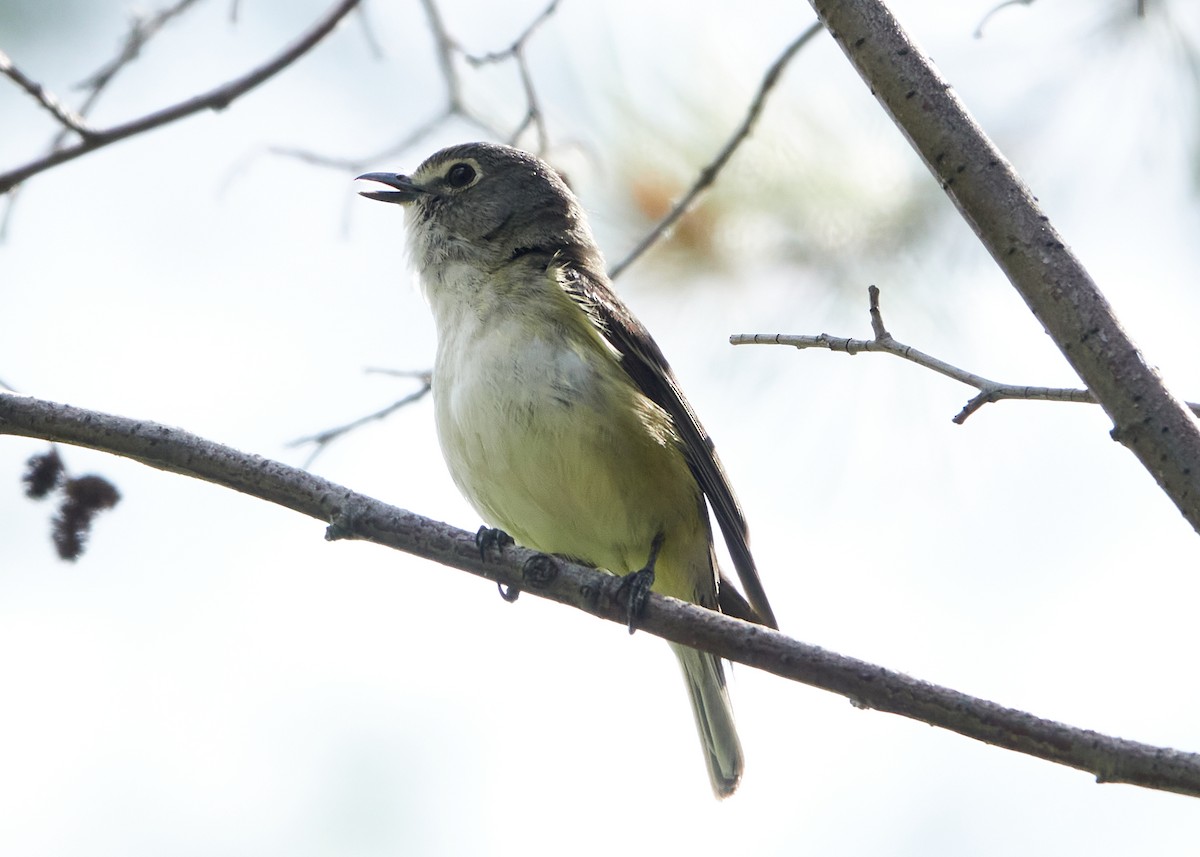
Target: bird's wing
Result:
[[644, 362]]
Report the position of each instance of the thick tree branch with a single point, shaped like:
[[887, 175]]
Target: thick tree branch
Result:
[[216, 99], [1155, 425], [989, 390], [353, 515]]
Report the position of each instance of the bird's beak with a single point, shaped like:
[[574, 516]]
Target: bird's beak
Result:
[[405, 189]]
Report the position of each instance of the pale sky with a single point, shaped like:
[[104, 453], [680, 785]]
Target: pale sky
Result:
[[214, 678]]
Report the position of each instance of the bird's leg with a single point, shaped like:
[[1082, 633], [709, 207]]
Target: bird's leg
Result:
[[636, 585], [493, 537]]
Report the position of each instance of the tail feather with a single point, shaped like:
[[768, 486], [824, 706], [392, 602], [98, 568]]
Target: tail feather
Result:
[[705, 677]]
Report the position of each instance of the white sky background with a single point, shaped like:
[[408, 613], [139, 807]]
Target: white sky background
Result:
[[214, 678]]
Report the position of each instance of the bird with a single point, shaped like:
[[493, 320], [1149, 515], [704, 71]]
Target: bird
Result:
[[557, 414]]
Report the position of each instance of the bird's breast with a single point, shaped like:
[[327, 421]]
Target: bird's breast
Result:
[[549, 440]]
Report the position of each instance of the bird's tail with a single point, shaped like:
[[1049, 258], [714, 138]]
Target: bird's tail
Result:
[[705, 677]]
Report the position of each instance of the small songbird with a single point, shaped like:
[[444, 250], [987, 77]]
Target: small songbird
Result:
[[558, 416]]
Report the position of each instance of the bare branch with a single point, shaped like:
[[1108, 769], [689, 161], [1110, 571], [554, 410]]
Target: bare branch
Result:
[[518, 43], [353, 515], [141, 30], [446, 48], [216, 99], [66, 117], [1148, 419], [877, 326], [368, 31], [448, 51], [516, 52], [709, 174], [533, 110], [324, 438], [989, 390], [988, 16], [356, 164]]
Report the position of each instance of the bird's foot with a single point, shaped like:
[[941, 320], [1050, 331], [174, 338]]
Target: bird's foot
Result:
[[487, 538], [491, 537], [635, 586]]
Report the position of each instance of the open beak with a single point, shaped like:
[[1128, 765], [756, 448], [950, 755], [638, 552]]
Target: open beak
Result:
[[405, 189]]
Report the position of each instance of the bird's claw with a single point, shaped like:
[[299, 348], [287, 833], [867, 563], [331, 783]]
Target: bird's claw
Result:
[[491, 537], [636, 586], [487, 538], [634, 589]]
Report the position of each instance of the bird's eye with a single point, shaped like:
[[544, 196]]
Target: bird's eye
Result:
[[460, 175]]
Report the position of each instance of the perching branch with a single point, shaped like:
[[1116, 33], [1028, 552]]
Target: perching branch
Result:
[[989, 390], [1155, 425], [215, 99], [709, 174], [353, 515]]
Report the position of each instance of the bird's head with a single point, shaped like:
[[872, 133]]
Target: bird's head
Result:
[[484, 204]]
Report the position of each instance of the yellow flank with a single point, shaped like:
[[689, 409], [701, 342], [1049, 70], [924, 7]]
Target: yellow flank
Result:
[[593, 471]]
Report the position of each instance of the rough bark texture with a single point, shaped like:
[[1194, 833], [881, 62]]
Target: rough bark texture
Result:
[[1155, 425]]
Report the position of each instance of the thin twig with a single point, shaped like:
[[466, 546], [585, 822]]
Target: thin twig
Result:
[[358, 163], [66, 117], [446, 48], [518, 43], [989, 390], [216, 99], [353, 515], [987, 17], [353, 164], [368, 32], [516, 52], [322, 439], [141, 30], [448, 51], [709, 174], [533, 110]]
